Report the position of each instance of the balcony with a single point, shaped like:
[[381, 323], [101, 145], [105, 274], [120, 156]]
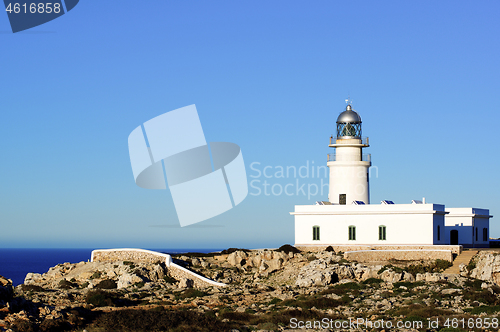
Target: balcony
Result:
[[364, 157], [364, 140]]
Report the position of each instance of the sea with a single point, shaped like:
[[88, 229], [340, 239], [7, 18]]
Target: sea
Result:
[[16, 263]]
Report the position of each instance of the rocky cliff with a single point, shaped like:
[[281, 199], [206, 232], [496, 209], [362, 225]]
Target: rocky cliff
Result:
[[265, 290]]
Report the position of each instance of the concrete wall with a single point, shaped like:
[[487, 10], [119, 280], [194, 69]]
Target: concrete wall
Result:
[[345, 248], [414, 224], [130, 254], [402, 255], [465, 221], [179, 272], [141, 255]]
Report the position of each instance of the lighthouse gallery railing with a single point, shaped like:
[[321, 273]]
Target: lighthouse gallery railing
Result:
[[364, 157]]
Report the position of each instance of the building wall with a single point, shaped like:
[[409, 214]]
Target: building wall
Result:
[[405, 223], [350, 178], [465, 221]]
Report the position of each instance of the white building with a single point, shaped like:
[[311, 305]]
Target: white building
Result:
[[348, 218]]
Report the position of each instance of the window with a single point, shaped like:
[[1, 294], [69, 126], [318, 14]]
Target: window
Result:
[[439, 233], [342, 199], [349, 130], [476, 233], [315, 233], [485, 234], [381, 233], [352, 233]]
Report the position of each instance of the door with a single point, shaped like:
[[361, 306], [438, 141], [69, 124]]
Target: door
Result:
[[453, 236]]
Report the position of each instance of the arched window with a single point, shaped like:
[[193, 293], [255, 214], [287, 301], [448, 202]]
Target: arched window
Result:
[[315, 233], [352, 233], [439, 233], [382, 232]]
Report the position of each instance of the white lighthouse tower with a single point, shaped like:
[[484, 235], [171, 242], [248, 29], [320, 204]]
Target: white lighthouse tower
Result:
[[348, 165]]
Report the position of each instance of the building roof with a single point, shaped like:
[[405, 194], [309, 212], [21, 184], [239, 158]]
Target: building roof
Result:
[[349, 116]]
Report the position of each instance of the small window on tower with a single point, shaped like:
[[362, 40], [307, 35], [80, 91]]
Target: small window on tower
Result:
[[382, 232], [315, 233], [485, 234], [352, 233], [342, 199]]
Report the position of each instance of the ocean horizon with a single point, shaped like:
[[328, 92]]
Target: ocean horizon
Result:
[[15, 263]]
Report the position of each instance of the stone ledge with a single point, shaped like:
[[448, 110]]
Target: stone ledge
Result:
[[130, 254], [455, 249], [364, 256]]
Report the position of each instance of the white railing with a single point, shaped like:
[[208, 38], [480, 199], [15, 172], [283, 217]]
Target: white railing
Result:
[[364, 140], [364, 157]]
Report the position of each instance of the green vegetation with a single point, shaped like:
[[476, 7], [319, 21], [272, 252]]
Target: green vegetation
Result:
[[484, 308], [231, 250], [131, 265], [418, 310], [65, 284], [286, 248], [100, 298], [189, 293], [348, 285], [311, 258], [483, 296], [106, 284], [390, 267], [160, 320], [169, 280], [372, 281], [408, 284], [318, 301], [139, 284], [439, 265], [32, 288], [274, 301]]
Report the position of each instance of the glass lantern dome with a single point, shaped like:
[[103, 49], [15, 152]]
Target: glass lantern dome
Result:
[[349, 124]]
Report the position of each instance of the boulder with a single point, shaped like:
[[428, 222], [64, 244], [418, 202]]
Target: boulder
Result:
[[186, 283], [318, 273], [487, 267], [236, 258], [391, 276], [450, 291], [128, 279], [32, 278], [275, 264], [6, 290]]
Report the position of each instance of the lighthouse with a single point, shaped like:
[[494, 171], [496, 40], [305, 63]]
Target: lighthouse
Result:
[[349, 178], [348, 222]]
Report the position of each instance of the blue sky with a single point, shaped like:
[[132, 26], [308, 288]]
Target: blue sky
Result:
[[271, 76]]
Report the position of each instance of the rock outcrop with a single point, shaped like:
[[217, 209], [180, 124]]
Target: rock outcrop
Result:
[[90, 274], [484, 266], [6, 290], [263, 285]]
